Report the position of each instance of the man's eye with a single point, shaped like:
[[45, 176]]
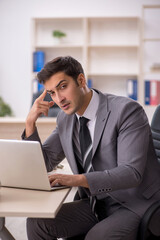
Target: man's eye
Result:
[[51, 93], [63, 86]]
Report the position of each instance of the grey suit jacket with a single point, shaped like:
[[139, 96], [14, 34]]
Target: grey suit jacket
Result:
[[124, 160]]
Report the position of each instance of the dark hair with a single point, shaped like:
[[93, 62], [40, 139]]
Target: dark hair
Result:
[[67, 64]]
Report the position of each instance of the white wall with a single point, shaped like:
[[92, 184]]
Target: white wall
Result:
[[15, 38]]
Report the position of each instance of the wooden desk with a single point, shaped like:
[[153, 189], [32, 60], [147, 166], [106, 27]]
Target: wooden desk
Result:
[[28, 203], [12, 128]]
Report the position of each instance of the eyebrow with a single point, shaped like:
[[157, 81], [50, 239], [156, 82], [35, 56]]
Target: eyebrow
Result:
[[50, 91]]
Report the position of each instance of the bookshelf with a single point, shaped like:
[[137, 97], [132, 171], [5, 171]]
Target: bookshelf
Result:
[[150, 40], [107, 47]]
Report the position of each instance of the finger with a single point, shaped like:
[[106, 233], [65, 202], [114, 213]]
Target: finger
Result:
[[45, 112], [43, 104], [54, 182], [58, 182], [53, 177], [42, 110], [51, 103], [42, 96]]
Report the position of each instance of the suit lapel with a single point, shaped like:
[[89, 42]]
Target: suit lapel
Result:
[[102, 117], [69, 138]]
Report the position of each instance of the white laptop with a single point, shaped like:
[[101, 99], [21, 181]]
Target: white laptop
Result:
[[22, 165]]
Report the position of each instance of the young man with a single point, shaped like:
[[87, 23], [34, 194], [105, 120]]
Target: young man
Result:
[[111, 155]]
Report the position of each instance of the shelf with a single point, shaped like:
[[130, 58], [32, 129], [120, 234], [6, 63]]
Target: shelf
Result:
[[151, 17], [107, 47], [113, 60], [150, 56], [112, 84], [103, 74], [150, 42], [58, 46], [150, 109], [113, 31], [113, 46], [43, 29], [114, 18], [153, 72], [53, 52], [151, 39], [131, 74]]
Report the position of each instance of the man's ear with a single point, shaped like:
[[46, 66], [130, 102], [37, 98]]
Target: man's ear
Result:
[[81, 80]]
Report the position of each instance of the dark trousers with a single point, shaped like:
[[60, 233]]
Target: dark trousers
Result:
[[76, 219]]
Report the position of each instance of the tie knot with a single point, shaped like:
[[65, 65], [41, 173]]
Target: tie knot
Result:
[[83, 121]]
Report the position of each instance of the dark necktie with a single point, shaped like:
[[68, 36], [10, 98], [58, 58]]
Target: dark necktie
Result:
[[86, 152], [85, 144]]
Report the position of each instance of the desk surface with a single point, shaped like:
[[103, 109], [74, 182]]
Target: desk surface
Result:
[[30, 203]]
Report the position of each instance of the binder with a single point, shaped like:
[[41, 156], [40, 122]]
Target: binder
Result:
[[153, 92], [89, 83], [38, 61], [36, 86], [158, 91], [147, 92], [132, 90], [40, 87]]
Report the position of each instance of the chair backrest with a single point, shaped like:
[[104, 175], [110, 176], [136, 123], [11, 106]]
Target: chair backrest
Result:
[[155, 128]]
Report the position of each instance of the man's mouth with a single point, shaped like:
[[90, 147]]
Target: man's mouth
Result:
[[65, 106]]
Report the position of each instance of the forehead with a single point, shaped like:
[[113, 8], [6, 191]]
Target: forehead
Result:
[[56, 79]]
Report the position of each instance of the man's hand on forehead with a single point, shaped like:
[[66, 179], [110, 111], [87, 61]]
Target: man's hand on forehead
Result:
[[43, 105]]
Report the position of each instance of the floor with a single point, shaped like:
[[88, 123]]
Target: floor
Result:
[[17, 226]]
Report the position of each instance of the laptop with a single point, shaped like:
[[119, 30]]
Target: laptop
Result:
[[22, 165]]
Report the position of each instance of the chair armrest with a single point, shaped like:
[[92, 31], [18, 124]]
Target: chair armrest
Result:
[[146, 219]]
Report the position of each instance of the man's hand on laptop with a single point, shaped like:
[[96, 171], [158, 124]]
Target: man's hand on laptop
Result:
[[76, 180], [39, 107]]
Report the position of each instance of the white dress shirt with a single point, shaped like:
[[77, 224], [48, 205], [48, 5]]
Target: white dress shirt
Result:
[[91, 114]]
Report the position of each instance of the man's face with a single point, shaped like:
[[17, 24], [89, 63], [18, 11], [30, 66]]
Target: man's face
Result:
[[66, 93]]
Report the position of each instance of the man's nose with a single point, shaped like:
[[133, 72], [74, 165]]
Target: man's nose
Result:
[[60, 97]]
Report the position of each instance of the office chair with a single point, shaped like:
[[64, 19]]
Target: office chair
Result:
[[147, 229]]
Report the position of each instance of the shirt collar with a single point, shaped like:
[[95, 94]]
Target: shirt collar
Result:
[[91, 110]]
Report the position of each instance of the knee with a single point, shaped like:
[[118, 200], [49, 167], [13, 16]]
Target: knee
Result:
[[32, 228], [39, 228], [91, 235], [99, 233]]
